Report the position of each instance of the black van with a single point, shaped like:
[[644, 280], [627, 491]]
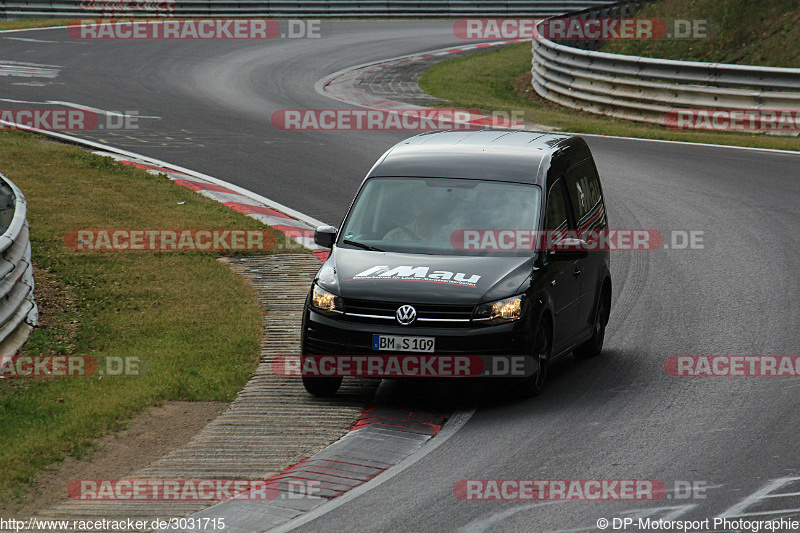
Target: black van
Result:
[[434, 255]]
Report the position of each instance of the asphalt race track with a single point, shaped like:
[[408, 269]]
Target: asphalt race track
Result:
[[617, 417]]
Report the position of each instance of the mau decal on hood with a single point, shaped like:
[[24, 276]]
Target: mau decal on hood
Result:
[[417, 273]]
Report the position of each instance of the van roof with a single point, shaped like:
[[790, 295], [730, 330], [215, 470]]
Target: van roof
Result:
[[499, 155]]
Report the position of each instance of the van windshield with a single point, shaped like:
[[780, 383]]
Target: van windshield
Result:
[[433, 215]]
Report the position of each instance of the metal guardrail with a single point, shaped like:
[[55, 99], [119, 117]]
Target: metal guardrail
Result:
[[295, 9], [18, 311], [645, 89]]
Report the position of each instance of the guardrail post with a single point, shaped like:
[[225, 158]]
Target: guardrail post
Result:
[[302, 8], [650, 90], [18, 310]]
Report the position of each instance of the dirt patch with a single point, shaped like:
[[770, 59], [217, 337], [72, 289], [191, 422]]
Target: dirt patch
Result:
[[273, 423], [57, 310], [149, 436], [522, 86]]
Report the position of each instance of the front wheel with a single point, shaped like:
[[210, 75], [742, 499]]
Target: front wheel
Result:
[[594, 346], [542, 345], [323, 387]]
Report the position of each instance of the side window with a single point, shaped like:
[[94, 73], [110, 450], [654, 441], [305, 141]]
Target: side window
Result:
[[556, 216], [584, 189]]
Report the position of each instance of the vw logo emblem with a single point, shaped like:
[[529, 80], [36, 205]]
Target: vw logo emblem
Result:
[[405, 315]]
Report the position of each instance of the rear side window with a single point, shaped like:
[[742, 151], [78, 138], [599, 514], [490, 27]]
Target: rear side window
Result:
[[556, 216], [585, 194]]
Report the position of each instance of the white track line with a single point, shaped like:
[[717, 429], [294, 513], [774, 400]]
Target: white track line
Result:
[[96, 109], [77, 106], [29, 40], [456, 422], [313, 222], [320, 85], [688, 143]]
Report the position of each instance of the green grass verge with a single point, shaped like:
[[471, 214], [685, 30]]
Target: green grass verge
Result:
[[32, 23], [765, 33], [193, 321], [498, 79]]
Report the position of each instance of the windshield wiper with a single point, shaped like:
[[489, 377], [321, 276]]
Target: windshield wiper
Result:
[[361, 245]]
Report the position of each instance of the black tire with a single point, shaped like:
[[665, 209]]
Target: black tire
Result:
[[322, 387], [540, 350], [594, 346]]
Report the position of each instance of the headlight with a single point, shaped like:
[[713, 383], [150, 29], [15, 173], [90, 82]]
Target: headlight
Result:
[[506, 310], [325, 301]]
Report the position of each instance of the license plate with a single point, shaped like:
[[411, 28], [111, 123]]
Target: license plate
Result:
[[398, 343]]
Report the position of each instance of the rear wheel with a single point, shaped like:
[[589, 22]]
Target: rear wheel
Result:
[[594, 346], [322, 386]]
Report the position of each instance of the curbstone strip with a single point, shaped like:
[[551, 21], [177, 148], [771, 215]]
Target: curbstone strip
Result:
[[361, 85], [299, 231], [391, 85], [245, 442], [249, 440], [353, 460]]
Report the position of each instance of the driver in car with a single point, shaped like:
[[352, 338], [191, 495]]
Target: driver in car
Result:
[[423, 223]]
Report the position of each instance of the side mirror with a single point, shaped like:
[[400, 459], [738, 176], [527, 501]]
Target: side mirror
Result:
[[569, 250], [325, 236]]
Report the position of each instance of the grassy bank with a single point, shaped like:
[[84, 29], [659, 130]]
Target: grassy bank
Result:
[[499, 80], [194, 323], [32, 23], [765, 33]]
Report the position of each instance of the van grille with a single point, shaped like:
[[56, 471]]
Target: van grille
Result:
[[428, 315]]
